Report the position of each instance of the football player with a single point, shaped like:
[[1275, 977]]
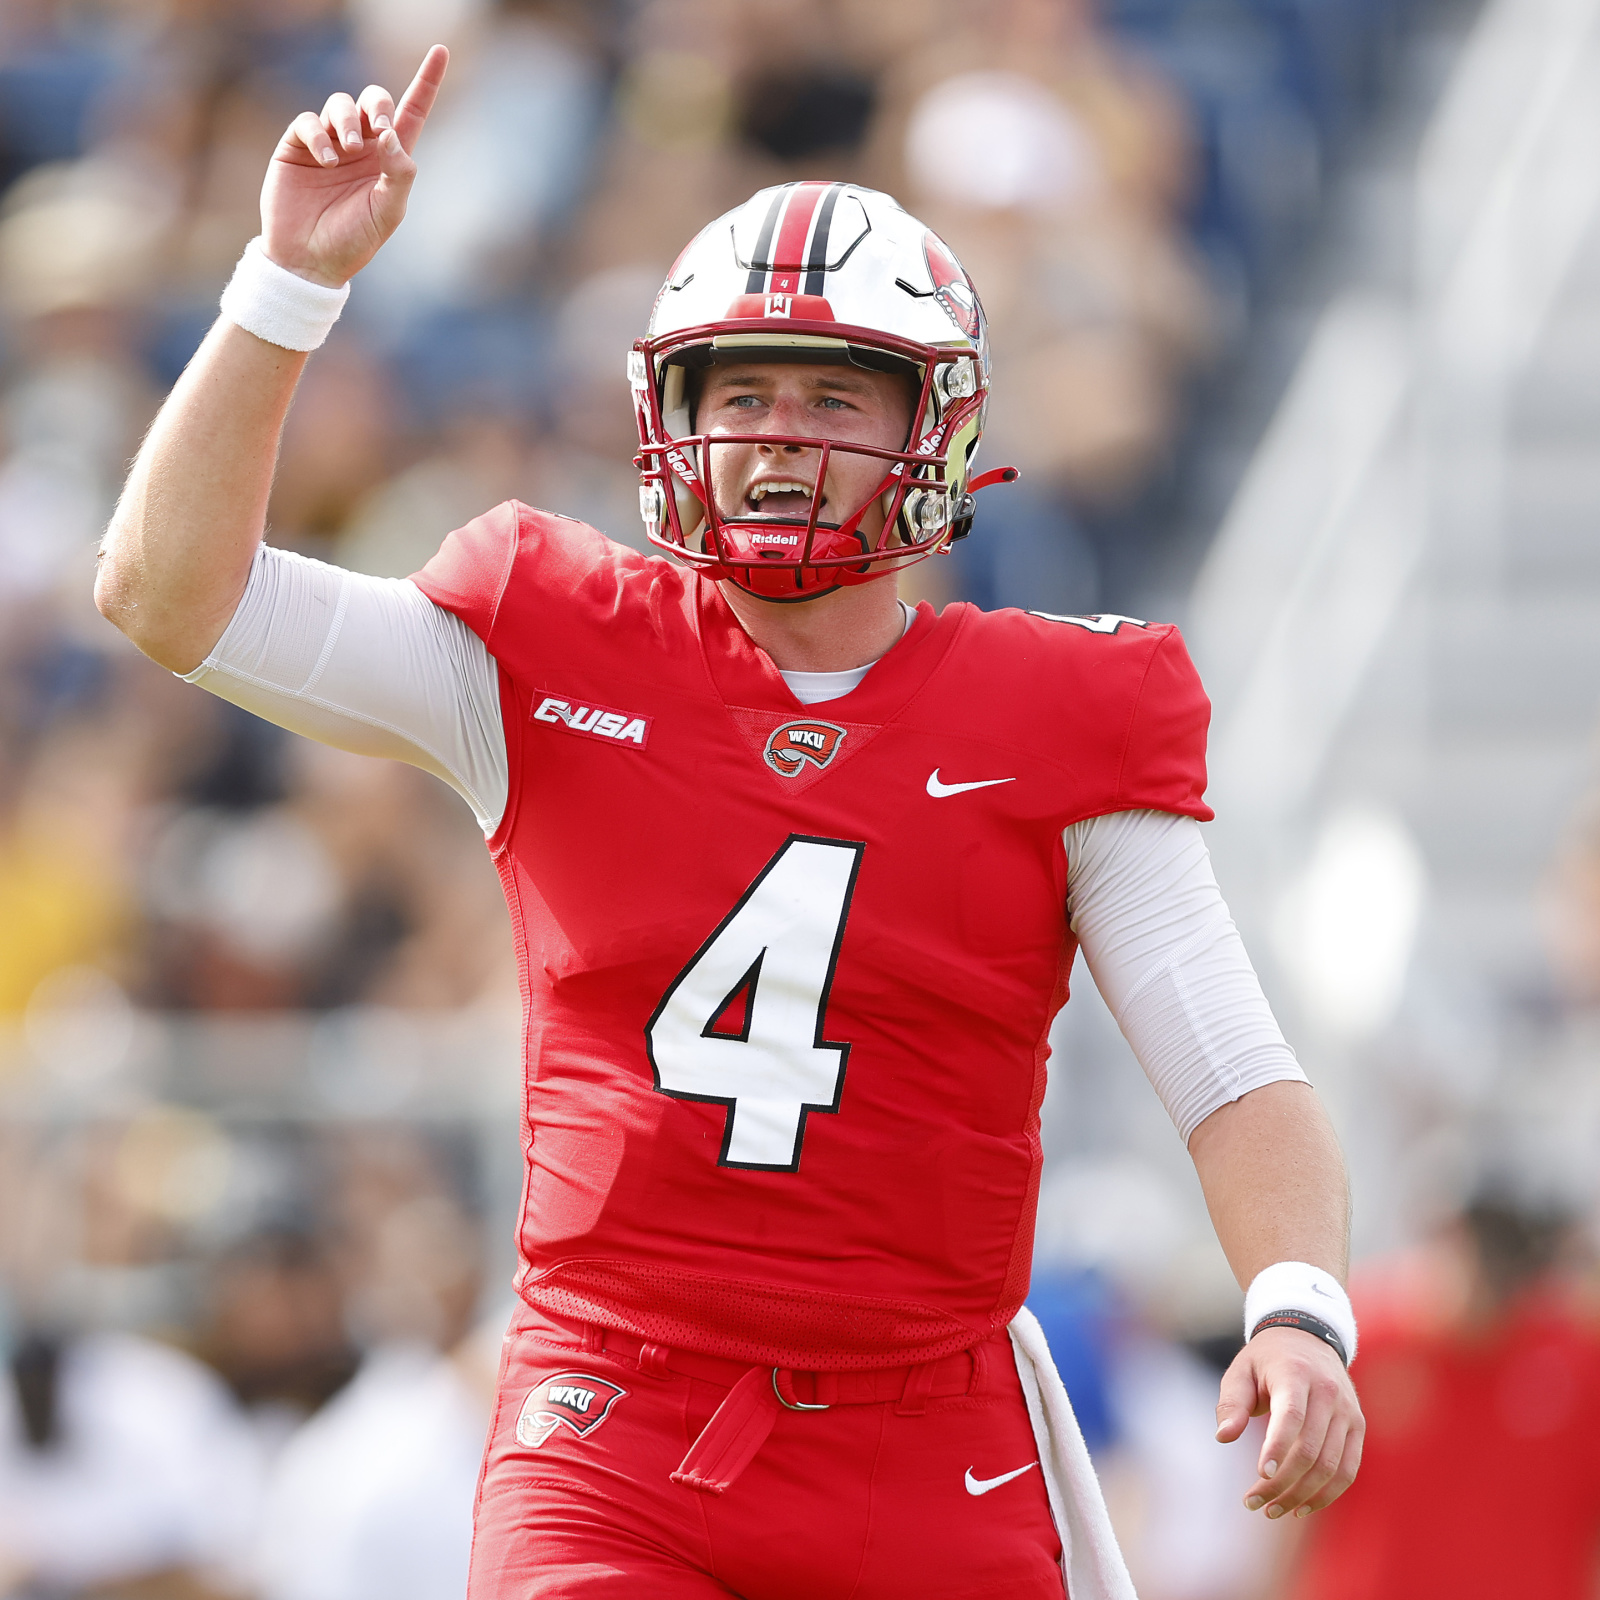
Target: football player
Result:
[[797, 875]]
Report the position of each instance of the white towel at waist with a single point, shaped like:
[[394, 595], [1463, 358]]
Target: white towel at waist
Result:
[[1090, 1559]]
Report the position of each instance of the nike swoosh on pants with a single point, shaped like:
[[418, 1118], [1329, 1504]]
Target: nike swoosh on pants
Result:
[[984, 1485]]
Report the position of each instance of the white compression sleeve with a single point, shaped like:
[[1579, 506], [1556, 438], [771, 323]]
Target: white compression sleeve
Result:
[[1166, 957], [367, 664]]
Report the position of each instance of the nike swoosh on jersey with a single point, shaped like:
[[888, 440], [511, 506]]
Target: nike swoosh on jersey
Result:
[[939, 790], [984, 1485]]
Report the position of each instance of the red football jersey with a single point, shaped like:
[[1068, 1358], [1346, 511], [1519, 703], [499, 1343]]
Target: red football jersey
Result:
[[789, 972]]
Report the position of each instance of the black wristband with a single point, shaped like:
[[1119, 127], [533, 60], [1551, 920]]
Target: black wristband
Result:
[[1306, 1323]]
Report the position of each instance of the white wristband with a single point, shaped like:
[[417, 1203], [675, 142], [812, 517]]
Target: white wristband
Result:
[[1297, 1286], [278, 305]]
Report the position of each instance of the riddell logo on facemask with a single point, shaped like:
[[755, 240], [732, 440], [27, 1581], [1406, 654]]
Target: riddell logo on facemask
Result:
[[595, 722], [794, 744]]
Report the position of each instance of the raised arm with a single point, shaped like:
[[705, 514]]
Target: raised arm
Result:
[[177, 554]]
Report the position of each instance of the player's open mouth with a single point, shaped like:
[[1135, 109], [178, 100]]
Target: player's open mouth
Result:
[[783, 499]]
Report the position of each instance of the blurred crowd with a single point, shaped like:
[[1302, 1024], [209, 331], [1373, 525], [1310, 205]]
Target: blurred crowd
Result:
[[299, 1294], [292, 1407], [1120, 193]]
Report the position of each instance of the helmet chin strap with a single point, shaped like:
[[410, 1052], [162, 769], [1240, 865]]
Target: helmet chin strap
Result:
[[798, 598], [889, 487]]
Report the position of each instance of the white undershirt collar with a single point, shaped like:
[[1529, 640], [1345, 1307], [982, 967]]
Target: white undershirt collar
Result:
[[812, 688]]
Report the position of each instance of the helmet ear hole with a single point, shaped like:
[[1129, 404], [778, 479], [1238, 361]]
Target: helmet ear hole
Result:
[[690, 512], [675, 400], [676, 395]]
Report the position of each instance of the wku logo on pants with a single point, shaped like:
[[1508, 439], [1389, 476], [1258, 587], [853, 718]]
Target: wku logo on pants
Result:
[[578, 1399]]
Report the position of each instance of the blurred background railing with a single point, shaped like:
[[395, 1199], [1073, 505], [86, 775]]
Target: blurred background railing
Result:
[[1296, 315]]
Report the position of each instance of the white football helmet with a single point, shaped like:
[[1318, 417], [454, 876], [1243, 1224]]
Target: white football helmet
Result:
[[822, 272]]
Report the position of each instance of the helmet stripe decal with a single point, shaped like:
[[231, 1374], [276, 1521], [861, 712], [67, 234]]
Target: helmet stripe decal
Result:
[[789, 254], [758, 262], [817, 260]]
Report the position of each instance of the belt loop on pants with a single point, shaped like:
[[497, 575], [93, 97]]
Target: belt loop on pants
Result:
[[919, 1385], [655, 1360]]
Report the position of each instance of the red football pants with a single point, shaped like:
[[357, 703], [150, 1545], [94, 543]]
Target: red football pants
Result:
[[935, 1497]]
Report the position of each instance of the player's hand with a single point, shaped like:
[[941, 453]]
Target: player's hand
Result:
[[338, 182], [1313, 1443]]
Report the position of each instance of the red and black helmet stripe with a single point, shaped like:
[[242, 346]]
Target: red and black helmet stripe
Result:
[[789, 253], [759, 265], [817, 261], [799, 213]]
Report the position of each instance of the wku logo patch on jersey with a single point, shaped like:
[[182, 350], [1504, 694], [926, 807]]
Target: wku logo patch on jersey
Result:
[[595, 722], [578, 1399], [790, 747]]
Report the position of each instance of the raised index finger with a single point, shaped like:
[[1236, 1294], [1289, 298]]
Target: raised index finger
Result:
[[418, 100]]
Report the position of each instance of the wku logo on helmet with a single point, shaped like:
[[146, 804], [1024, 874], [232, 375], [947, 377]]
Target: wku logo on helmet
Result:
[[579, 1400], [795, 743], [951, 287]]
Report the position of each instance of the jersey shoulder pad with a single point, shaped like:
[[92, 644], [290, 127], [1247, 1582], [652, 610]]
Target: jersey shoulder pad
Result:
[[1118, 696], [1098, 637], [468, 573], [1099, 654], [515, 567]]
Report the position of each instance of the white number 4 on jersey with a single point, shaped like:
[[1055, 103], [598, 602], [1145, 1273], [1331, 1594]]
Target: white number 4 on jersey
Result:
[[742, 1024]]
